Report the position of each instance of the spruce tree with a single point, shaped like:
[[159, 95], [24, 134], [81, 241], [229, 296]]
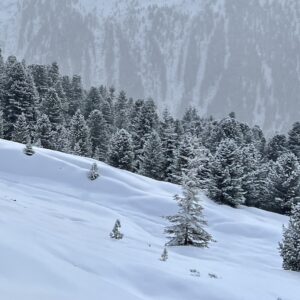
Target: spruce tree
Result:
[[164, 255], [100, 133], [116, 234], [21, 130], [80, 135], [93, 173], [294, 139], [290, 246], [121, 111], [152, 158], [276, 146], [285, 183], [76, 97], [120, 153], [28, 150], [200, 165], [227, 174], [43, 132], [186, 227], [92, 101]]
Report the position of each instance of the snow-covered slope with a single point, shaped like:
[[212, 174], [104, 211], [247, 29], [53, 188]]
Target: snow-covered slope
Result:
[[54, 238], [220, 55]]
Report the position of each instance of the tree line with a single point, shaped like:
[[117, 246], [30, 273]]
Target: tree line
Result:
[[233, 162]]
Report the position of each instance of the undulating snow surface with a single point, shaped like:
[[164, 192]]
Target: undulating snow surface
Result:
[[55, 245]]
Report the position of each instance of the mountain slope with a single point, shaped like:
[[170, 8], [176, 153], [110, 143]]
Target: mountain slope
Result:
[[54, 238], [219, 55]]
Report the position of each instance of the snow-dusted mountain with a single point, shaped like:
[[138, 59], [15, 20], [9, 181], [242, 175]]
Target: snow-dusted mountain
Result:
[[55, 244], [220, 55]]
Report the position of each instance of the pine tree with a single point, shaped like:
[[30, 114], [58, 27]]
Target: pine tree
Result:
[[28, 150], [99, 132], [164, 255], [227, 174], [285, 183], [21, 130], [61, 139], [92, 101], [76, 97], [43, 132], [276, 147], [116, 234], [290, 246], [200, 165], [169, 140], [186, 152], [120, 153], [121, 111], [294, 139], [80, 135], [51, 106], [187, 225], [152, 158], [93, 173]]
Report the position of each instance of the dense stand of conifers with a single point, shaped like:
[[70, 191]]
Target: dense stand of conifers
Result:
[[230, 161]]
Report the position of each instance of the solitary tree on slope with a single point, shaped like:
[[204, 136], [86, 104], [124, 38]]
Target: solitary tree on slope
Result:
[[116, 234], [93, 173], [187, 225]]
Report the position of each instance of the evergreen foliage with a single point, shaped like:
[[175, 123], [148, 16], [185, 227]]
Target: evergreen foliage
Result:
[[116, 234], [93, 173], [290, 246], [186, 227]]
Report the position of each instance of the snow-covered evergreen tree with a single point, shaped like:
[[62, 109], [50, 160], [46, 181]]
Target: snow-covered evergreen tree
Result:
[[120, 153], [152, 157], [121, 111], [227, 174], [290, 246], [93, 173], [80, 135], [116, 234], [294, 139], [92, 101], [276, 146], [164, 255], [100, 134], [43, 132], [200, 165], [28, 150], [285, 183], [21, 130], [187, 226]]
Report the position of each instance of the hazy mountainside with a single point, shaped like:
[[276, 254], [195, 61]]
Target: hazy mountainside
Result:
[[55, 244], [219, 55]]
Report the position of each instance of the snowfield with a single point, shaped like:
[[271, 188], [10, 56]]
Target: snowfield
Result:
[[55, 244]]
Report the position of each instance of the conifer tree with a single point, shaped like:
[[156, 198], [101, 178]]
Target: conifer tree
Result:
[[93, 173], [116, 234], [186, 227], [80, 135], [121, 111], [120, 153], [61, 139], [28, 150], [76, 97], [290, 246], [92, 101], [276, 146], [164, 255], [21, 130], [227, 174], [294, 139], [99, 132], [1, 125], [200, 165], [43, 132], [152, 158], [285, 183], [51, 106]]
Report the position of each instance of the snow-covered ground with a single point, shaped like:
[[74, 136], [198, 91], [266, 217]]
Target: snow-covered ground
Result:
[[54, 238]]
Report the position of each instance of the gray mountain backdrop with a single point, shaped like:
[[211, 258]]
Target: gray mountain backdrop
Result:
[[219, 55]]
